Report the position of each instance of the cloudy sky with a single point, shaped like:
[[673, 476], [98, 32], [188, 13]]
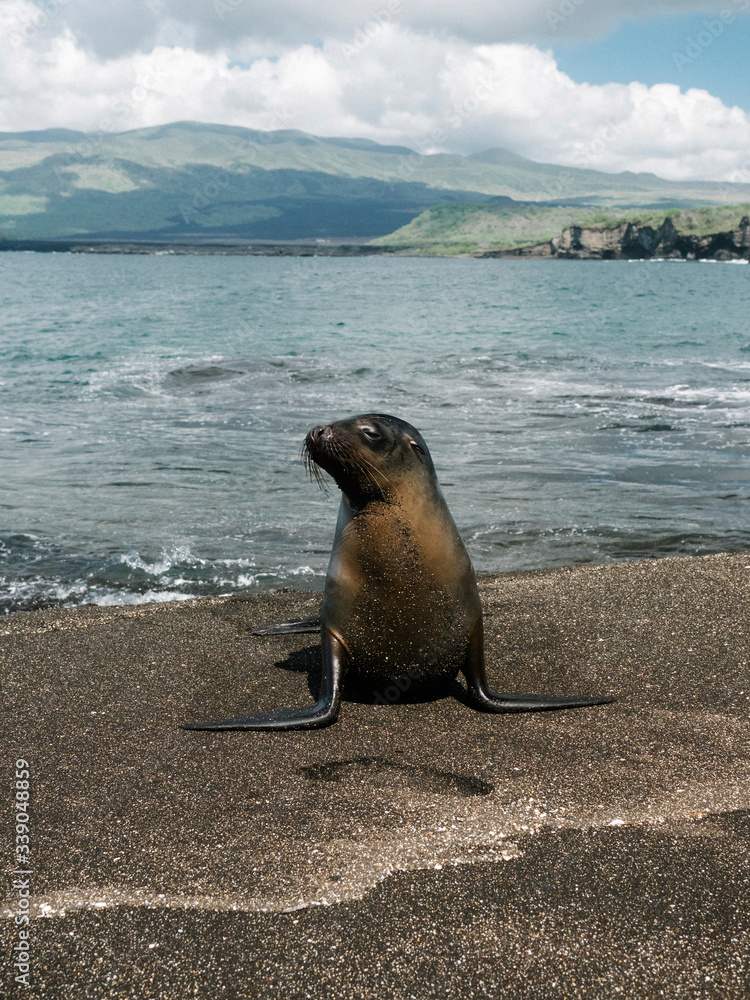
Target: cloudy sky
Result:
[[659, 85]]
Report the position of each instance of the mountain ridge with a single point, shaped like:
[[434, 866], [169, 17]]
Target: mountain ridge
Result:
[[193, 180]]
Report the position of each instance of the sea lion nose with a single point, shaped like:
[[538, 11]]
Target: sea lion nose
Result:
[[317, 433]]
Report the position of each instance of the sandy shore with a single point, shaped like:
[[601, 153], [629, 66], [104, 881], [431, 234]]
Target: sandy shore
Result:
[[411, 850]]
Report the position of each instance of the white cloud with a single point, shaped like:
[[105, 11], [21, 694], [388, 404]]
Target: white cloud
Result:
[[111, 27], [392, 85]]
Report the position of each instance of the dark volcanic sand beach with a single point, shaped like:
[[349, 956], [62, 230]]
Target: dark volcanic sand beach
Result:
[[409, 851]]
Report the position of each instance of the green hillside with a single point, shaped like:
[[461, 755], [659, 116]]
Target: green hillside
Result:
[[470, 228], [192, 181]]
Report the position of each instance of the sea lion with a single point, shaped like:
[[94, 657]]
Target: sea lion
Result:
[[401, 605]]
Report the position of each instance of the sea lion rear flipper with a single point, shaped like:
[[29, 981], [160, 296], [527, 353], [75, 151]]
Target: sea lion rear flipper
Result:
[[491, 701], [494, 702], [299, 625], [324, 712]]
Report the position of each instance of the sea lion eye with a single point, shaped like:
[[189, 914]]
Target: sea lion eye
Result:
[[417, 447], [371, 432]]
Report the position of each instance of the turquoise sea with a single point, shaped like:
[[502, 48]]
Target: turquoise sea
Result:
[[152, 410]]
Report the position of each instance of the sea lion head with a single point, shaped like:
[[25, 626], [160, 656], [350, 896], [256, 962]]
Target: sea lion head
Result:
[[371, 457]]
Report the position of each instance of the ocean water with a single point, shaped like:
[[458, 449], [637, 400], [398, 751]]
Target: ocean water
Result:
[[152, 410]]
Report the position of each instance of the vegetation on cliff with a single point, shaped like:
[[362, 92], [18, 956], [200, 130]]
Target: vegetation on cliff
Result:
[[488, 228]]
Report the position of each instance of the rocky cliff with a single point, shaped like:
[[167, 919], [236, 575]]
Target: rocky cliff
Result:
[[630, 241]]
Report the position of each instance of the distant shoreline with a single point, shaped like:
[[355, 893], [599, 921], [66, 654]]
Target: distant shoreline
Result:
[[296, 249], [714, 248]]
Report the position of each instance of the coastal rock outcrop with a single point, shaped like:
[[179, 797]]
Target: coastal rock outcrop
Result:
[[631, 241]]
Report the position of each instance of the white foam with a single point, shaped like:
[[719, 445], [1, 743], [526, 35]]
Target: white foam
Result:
[[149, 597], [177, 556]]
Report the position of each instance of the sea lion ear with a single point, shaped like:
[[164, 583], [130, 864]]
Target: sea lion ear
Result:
[[418, 449]]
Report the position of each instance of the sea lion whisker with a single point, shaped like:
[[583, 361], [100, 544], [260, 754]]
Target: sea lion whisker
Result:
[[368, 475], [375, 473], [320, 477], [313, 469], [355, 463], [370, 472], [358, 467]]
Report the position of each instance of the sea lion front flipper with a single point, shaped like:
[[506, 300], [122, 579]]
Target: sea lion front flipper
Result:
[[491, 701], [324, 712], [295, 627]]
